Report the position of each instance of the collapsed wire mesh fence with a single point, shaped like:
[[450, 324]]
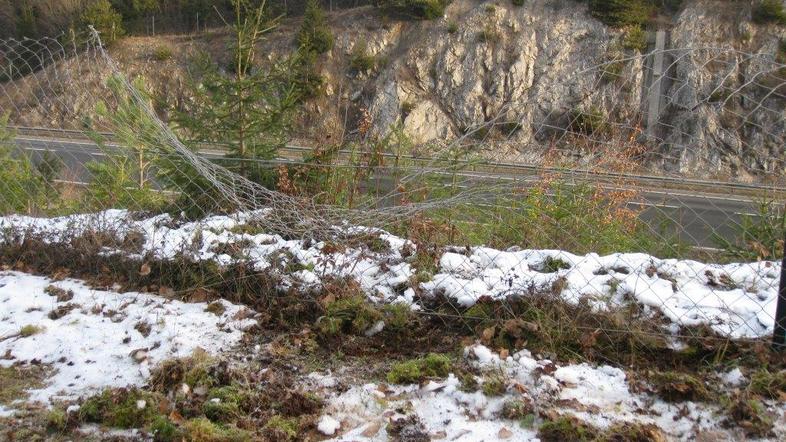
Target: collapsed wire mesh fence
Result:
[[612, 230]]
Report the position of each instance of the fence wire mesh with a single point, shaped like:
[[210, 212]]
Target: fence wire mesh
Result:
[[659, 221]]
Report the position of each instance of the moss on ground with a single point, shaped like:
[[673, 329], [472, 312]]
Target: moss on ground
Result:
[[674, 386], [494, 385], [121, 408], [567, 428], [353, 314], [282, 428], [203, 430], [432, 365]]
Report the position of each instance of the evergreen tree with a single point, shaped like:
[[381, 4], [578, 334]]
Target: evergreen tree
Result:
[[105, 19], [124, 179], [26, 24], [21, 188], [246, 107], [621, 12], [314, 34]]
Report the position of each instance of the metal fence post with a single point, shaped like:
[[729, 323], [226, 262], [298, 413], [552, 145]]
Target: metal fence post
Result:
[[779, 332]]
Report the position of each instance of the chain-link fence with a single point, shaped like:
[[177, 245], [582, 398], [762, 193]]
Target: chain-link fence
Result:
[[648, 217]]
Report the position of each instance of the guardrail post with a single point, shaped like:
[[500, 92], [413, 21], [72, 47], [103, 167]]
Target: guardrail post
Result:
[[779, 332]]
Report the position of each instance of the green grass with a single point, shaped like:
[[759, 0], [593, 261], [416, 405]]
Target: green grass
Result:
[[16, 381]]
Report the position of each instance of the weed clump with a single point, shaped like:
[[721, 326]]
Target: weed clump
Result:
[[632, 432], [164, 430], [56, 420], [397, 316], [415, 370], [621, 12], [409, 429], [197, 370], [417, 9], [771, 385], [635, 39], [751, 416], [162, 53], [360, 60], [551, 265], [61, 295], [587, 121], [30, 330]]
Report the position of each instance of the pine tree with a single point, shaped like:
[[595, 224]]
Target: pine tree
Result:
[[621, 12], [247, 106], [105, 19], [124, 179], [21, 187], [314, 34], [26, 24]]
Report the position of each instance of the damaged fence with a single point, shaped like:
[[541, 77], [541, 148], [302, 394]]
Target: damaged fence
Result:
[[621, 228]]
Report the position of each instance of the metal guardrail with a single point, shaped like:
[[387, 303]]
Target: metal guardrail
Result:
[[489, 169]]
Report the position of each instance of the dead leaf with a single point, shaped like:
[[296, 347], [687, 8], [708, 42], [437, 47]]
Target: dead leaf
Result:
[[504, 433], [371, 429], [144, 270], [439, 435], [166, 292], [139, 355], [588, 340], [164, 405], [201, 295], [488, 334], [504, 353], [176, 417], [327, 299]]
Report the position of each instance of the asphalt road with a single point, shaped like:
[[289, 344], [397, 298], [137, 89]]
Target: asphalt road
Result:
[[694, 217]]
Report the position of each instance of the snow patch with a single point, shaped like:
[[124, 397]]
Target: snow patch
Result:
[[101, 338]]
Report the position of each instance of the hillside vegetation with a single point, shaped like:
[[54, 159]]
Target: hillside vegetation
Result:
[[511, 76]]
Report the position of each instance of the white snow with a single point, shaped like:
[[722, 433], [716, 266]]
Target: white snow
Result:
[[328, 426], [90, 347], [736, 300], [598, 395]]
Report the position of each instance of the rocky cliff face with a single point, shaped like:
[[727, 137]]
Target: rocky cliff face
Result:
[[536, 70], [725, 109]]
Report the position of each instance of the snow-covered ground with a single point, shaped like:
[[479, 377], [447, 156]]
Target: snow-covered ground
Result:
[[101, 338], [736, 300], [597, 395], [94, 339]]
